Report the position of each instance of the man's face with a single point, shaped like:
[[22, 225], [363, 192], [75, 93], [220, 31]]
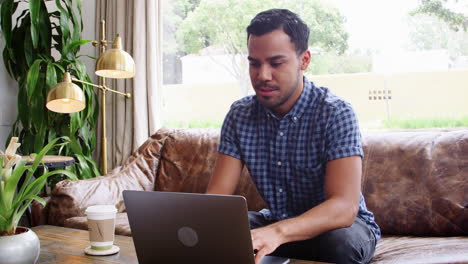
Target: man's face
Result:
[[276, 70]]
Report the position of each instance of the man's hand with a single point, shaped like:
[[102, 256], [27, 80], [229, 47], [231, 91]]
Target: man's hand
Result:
[[265, 240]]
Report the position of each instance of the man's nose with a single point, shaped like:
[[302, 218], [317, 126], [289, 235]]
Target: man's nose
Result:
[[264, 73]]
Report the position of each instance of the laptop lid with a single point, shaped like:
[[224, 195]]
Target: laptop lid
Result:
[[169, 227]]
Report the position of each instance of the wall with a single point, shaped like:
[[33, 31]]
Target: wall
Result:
[[413, 95], [9, 87], [436, 94]]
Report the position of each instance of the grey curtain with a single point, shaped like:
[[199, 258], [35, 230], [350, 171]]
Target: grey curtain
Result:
[[129, 122]]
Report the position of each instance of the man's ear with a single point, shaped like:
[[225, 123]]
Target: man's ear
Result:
[[305, 60]]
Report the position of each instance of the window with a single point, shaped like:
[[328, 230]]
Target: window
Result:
[[398, 67]]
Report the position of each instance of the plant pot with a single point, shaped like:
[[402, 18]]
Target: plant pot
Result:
[[24, 247]]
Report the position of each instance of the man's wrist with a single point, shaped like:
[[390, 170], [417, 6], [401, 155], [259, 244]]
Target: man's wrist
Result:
[[282, 230]]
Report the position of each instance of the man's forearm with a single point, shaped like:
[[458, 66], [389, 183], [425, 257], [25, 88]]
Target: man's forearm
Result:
[[225, 176], [330, 215]]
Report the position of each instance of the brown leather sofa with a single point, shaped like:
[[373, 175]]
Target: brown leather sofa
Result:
[[415, 182]]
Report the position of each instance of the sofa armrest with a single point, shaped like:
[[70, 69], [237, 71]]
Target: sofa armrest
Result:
[[71, 198]]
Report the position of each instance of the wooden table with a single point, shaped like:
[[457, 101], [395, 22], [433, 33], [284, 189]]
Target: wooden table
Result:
[[66, 245]]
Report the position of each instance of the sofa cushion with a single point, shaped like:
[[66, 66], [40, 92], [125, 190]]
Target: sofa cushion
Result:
[[187, 161], [421, 250], [415, 182]]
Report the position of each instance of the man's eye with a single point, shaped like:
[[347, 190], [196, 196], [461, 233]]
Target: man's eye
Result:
[[276, 64], [254, 64]]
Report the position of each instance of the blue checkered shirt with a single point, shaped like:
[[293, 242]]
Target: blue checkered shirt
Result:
[[287, 157]]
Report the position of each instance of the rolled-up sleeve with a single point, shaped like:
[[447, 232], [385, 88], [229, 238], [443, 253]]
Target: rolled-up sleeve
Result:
[[343, 135], [229, 142]]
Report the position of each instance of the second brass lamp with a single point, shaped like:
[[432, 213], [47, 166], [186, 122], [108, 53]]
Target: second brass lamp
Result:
[[67, 97]]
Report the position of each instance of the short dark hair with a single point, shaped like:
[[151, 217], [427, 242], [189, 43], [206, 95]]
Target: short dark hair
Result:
[[273, 19]]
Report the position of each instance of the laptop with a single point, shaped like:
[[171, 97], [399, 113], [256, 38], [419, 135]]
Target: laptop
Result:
[[169, 227]]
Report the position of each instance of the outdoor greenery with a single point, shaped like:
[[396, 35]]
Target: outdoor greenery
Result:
[[192, 26], [434, 26], [437, 8], [17, 195], [213, 23], [392, 124], [40, 45], [194, 124], [427, 123]]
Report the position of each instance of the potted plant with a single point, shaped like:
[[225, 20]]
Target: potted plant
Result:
[[40, 46], [20, 244]]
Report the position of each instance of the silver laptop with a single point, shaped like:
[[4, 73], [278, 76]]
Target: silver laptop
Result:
[[170, 227]]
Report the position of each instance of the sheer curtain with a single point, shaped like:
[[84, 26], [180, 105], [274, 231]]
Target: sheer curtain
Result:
[[129, 122]]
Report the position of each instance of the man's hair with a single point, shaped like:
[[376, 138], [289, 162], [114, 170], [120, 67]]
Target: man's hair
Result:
[[273, 19]]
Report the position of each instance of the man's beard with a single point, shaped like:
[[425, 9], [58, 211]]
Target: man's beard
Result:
[[281, 101]]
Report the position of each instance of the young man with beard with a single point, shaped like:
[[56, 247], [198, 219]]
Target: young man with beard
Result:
[[302, 147]]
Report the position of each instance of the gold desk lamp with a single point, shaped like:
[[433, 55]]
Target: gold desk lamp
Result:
[[67, 97]]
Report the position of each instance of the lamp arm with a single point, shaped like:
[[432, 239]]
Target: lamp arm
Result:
[[88, 83], [103, 87], [128, 95]]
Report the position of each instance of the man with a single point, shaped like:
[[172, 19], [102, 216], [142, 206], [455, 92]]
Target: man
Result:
[[302, 147]]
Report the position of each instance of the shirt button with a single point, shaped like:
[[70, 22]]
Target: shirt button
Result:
[[281, 134], [284, 215], [295, 118], [279, 163], [280, 190]]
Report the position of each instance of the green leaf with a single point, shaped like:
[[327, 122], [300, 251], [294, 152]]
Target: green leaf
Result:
[[86, 171], [34, 7], [52, 135], [7, 11], [51, 76], [45, 31], [75, 122], [39, 139], [84, 132], [44, 151], [12, 183], [29, 54], [36, 186], [22, 200], [88, 56], [79, 7], [27, 142], [7, 62], [59, 66], [81, 69], [76, 148], [64, 24], [73, 46], [93, 166], [38, 110], [76, 20], [23, 106], [33, 75]]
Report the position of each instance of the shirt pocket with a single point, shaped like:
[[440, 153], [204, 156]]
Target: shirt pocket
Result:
[[308, 188], [309, 174]]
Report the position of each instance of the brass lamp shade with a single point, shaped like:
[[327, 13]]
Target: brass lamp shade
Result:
[[115, 62], [66, 97]]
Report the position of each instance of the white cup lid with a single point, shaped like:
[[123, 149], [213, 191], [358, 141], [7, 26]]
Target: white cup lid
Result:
[[101, 209]]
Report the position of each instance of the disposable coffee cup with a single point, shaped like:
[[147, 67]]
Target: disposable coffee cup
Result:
[[101, 226]]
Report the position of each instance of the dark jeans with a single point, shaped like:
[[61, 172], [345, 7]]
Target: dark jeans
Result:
[[354, 244]]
